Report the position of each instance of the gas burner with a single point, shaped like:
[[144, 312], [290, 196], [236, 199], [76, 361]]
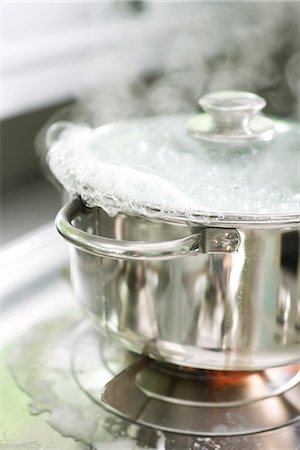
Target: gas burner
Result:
[[182, 400], [211, 388]]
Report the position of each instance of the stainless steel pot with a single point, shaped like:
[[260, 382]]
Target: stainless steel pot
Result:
[[216, 298], [205, 292]]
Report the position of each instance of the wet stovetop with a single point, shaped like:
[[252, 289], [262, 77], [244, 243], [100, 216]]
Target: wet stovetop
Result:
[[44, 407]]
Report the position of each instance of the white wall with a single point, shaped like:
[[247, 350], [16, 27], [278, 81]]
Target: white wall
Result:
[[47, 48]]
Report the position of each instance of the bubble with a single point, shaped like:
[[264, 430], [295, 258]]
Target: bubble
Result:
[[152, 167]]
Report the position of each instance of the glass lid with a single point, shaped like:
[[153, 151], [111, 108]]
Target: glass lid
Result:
[[229, 164]]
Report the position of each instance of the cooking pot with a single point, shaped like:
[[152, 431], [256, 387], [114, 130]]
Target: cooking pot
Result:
[[204, 289]]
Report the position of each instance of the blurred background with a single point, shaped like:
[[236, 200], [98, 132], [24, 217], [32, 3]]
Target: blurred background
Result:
[[98, 62]]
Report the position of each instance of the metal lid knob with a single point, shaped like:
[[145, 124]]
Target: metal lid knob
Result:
[[231, 115]]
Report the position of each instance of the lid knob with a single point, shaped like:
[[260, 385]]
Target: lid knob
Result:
[[231, 115]]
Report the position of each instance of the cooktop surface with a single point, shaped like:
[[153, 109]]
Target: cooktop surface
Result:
[[52, 380]]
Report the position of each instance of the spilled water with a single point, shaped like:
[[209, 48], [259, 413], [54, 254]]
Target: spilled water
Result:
[[41, 366]]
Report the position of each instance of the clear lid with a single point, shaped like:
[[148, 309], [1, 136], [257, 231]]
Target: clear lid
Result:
[[228, 164]]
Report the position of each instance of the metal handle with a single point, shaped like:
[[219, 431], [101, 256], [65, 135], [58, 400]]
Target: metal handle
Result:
[[207, 240], [231, 115]]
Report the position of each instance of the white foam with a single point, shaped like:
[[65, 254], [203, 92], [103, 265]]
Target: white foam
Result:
[[152, 167]]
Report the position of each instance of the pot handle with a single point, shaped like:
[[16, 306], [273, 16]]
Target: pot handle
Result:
[[205, 240]]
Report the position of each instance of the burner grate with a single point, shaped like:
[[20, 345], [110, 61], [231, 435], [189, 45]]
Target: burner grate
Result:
[[198, 402]]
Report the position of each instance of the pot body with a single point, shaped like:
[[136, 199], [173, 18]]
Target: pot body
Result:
[[230, 311]]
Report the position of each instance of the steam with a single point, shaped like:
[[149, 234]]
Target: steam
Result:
[[163, 59]]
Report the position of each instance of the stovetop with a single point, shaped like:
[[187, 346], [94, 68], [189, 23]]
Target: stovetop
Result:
[[51, 375], [180, 399]]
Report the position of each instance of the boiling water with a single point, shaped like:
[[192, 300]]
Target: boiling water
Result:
[[153, 167]]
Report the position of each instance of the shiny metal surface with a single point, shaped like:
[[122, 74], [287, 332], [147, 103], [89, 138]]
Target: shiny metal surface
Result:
[[55, 413], [206, 240], [70, 392], [232, 311], [194, 402], [212, 388], [123, 395]]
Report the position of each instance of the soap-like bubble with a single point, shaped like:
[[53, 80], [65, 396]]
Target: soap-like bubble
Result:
[[153, 167]]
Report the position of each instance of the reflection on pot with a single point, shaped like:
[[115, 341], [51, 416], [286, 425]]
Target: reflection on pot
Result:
[[235, 310]]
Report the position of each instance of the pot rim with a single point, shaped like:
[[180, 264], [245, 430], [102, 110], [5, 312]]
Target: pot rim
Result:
[[207, 240], [223, 220], [207, 218]]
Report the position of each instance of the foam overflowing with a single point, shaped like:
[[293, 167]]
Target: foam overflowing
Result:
[[153, 167]]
